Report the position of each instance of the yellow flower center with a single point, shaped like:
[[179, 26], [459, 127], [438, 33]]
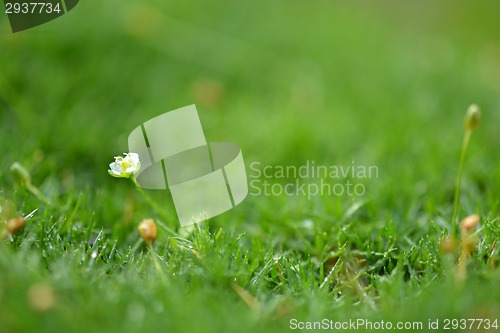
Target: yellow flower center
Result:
[[125, 165]]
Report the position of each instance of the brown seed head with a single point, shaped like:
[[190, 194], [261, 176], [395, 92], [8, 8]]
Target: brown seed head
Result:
[[147, 229], [469, 223], [15, 225]]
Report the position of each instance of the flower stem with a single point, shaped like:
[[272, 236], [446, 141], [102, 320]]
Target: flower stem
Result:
[[36, 192], [157, 208], [465, 144]]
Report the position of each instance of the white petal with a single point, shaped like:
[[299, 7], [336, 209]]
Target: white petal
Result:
[[134, 157], [137, 167], [130, 169], [115, 167], [114, 173]]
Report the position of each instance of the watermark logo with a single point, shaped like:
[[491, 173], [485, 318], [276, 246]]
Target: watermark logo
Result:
[[310, 179], [26, 14], [205, 178]]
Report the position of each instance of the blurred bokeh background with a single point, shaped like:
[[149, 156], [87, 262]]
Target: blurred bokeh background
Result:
[[380, 83]]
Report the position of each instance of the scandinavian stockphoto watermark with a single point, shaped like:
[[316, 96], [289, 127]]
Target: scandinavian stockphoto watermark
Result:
[[310, 179]]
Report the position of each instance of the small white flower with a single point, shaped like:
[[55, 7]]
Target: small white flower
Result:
[[125, 167]]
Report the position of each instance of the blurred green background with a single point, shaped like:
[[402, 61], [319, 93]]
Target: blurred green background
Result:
[[381, 83], [384, 83]]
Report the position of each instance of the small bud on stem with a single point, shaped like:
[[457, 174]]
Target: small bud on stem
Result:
[[147, 229], [15, 225], [21, 176], [469, 223], [472, 117], [467, 245]]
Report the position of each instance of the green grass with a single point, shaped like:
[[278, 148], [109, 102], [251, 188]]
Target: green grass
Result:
[[291, 81]]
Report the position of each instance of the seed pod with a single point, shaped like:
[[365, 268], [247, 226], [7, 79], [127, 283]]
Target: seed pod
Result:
[[147, 229], [472, 117], [15, 225], [469, 223]]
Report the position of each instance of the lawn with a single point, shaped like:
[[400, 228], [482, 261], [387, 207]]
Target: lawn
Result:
[[293, 83]]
